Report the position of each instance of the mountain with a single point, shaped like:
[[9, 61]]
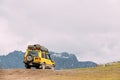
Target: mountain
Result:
[[63, 61], [12, 60]]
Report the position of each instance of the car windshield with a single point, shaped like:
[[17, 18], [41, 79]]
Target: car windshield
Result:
[[33, 53], [48, 56]]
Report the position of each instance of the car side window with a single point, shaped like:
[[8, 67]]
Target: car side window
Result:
[[43, 55], [48, 57]]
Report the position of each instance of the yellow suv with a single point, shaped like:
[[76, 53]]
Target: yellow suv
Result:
[[38, 56]]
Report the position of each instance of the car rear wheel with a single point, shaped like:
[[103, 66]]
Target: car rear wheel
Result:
[[28, 66], [37, 67]]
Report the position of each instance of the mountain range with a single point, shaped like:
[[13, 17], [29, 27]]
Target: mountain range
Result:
[[63, 60]]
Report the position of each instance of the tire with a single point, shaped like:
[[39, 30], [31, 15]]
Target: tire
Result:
[[37, 67], [43, 66], [29, 58], [53, 67], [28, 66]]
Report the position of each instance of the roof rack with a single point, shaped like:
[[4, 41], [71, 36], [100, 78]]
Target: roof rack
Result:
[[37, 47]]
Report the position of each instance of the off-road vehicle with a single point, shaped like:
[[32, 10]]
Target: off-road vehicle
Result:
[[38, 56]]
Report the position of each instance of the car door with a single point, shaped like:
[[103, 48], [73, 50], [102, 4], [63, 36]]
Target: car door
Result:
[[48, 60]]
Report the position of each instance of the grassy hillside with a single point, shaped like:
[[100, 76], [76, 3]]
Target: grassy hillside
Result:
[[111, 72]]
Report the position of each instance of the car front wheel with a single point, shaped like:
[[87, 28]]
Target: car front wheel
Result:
[[53, 67], [43, 66]]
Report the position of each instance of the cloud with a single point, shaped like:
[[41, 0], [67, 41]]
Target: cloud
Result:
[[100, 48], [88, 28], [7, 38]]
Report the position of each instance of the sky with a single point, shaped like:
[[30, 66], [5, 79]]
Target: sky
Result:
[[90, 29]]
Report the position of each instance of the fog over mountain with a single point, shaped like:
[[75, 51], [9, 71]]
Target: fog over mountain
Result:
[[88, 28]]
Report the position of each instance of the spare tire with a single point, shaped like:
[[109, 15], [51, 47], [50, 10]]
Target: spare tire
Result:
[[29, 58]]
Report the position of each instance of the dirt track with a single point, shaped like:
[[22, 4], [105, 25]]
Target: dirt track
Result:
[[24, 74], [32, 74]]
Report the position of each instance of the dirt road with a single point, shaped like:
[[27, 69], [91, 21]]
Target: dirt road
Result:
[[33, 74]]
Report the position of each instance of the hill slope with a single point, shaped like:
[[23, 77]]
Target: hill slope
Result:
[[99, 73]]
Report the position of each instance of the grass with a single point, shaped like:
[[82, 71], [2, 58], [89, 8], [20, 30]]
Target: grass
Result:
[[111, 72]]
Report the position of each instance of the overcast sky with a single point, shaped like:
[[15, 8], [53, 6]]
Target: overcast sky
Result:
[[90, 29]]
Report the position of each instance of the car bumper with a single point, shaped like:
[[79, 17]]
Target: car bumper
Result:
[[32, 63]]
